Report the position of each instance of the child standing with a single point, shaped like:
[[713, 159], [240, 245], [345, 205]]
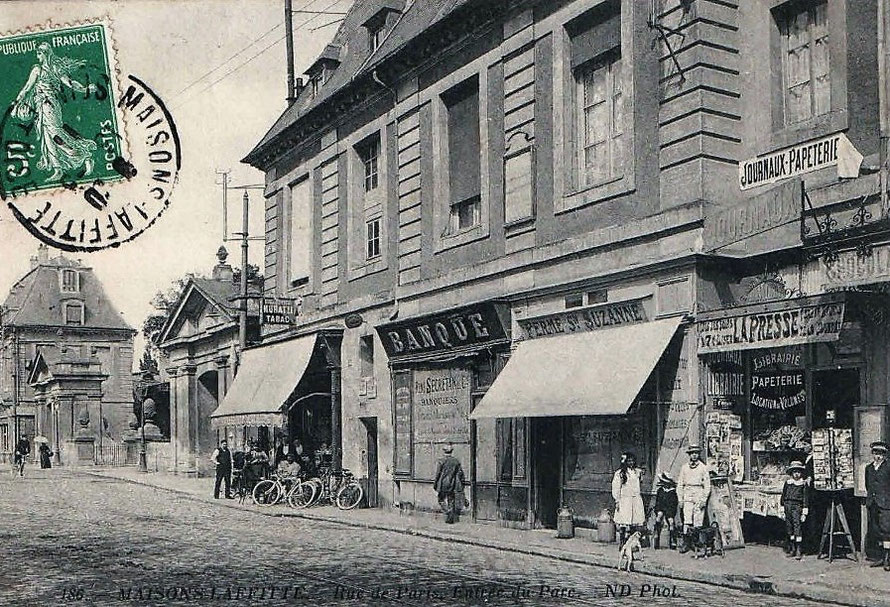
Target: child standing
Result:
[[796, 500], [666, 503]]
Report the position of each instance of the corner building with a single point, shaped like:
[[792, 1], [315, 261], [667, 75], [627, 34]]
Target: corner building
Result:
[[508, 224]]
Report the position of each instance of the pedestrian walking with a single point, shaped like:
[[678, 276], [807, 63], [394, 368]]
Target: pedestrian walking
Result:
[[796, 500], [693, 489], [877, 487], [666, 510], [449, 483], [22, 451], [629, 511], [222, 457], [45, 455]]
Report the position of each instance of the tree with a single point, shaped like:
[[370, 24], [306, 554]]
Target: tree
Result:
[[163, 302], [254, 277]]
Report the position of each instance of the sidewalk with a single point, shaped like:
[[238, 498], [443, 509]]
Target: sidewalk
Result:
[[754, 568]]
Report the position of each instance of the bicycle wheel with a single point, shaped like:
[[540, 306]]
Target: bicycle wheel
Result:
[[301, 496], [349, 496], [317, 488], [266, 493]]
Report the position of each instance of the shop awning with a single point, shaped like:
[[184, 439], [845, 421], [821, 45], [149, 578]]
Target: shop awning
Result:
[[266, 378], [594, 373]]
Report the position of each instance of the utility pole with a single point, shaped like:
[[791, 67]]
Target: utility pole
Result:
[[242, 316], [884, 100], [289, 44]]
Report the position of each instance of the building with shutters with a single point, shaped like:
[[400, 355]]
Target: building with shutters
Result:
[[552, 232], [58, 314]]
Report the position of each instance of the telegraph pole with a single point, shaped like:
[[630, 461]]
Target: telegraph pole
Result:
[[289, 43], [242, 316]]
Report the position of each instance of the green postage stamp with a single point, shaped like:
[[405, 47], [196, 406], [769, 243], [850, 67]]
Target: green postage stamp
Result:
[[60, 125]]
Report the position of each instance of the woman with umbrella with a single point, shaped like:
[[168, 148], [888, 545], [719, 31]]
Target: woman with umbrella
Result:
[[44, 451]]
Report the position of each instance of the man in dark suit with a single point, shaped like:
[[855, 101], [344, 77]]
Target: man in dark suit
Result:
[[222, 457], [877, 486], [449, 483]]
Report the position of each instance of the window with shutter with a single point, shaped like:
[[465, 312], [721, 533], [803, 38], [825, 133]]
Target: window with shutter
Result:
[[464, 155], [805, 63], [600, 118]]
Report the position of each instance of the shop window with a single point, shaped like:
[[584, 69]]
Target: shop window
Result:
[[366, 355], [600, 120], [464, 155], [806, 74], [4, 438], [70, 281], [511, 449], [74, 313], [835, 390], [574, 300], [300, 234], [597, 297]]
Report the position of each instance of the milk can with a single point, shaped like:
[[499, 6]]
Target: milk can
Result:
[[565, 523], [605, 527]]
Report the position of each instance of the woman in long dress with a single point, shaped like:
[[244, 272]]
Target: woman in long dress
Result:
[[61, 149], [629, 512]]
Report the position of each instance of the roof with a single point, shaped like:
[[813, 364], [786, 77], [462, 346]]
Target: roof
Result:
[[220, 293], [36, 298], [356, 60]]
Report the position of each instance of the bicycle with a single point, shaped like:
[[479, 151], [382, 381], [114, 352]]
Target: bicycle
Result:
[[270, 491], [342, 489]]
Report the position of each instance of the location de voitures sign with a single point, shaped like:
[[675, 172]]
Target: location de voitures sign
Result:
[[805, 324]]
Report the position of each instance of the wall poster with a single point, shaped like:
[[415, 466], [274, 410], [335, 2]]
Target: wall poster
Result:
[[440, 409], [402, 464]]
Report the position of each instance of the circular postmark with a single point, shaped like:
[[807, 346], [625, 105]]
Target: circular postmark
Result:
[[70, 172]]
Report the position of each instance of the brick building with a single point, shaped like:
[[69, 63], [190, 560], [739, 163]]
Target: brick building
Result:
[[542, 231]]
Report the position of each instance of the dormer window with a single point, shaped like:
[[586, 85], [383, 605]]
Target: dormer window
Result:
[[375, 36], [74, 313], [70, 281]]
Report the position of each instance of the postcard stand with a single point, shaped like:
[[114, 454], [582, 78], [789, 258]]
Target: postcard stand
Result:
[[833, 466]]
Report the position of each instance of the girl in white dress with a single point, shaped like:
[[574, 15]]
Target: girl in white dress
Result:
[[629, 512]]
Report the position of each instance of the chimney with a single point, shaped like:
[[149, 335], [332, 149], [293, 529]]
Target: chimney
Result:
[[222, 270], [299, 85], [42, 254], [34, 263]]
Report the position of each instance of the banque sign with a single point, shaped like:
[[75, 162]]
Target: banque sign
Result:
[[804, 324], [460, 328]]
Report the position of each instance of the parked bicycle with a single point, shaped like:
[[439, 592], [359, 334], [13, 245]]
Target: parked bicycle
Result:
[[342, 489], [296, 492]]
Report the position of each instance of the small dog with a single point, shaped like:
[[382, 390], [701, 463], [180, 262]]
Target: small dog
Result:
[[708, 541], [633, 544]]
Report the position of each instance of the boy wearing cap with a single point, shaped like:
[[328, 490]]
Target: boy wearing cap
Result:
[[693, 489], [665, 509], [877, 486], [796, 500]]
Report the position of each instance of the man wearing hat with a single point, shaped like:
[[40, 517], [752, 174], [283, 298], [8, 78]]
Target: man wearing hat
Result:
[[665, 509], [796, 500], [449, 482], [877, 486], [693, 489]]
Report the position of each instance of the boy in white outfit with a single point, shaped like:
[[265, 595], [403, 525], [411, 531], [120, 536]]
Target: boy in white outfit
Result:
[[693, 489]]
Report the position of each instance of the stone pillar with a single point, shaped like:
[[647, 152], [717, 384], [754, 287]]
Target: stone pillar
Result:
[[55, 436], [173, 372], [187, 416], [336, 433], [222, 379]]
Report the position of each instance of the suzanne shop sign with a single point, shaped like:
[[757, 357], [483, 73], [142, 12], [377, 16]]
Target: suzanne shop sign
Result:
[[806, 324], [584, 319], [474, 325]]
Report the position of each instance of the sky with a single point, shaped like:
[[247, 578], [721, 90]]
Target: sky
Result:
[[219, 66]]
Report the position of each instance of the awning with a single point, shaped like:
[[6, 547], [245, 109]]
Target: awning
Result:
[[593, 373], [266, 378]]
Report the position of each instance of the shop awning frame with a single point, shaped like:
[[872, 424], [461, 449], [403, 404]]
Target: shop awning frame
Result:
[[266, 378], [591, 373]]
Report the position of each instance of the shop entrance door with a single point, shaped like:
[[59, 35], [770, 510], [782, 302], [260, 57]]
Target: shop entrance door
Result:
[[837, 390], [371, 426], [547, 456]]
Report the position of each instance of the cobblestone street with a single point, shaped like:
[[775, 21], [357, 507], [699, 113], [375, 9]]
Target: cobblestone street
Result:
[[80, 538]]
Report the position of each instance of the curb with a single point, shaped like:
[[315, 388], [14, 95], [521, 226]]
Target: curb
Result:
[[751, 584]]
